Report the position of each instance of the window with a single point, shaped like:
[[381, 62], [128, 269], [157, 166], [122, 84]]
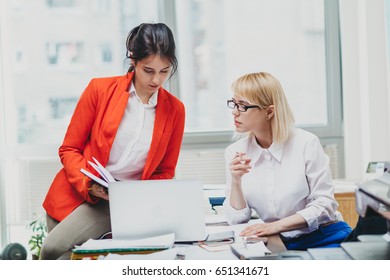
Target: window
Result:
[[65, 54], [227, 39], [60, 3], [297, 41]]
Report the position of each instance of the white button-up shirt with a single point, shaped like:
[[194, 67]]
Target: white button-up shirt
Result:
[[133, 138], [285, 179]]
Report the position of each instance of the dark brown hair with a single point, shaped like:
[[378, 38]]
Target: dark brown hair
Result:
[[151, 39]]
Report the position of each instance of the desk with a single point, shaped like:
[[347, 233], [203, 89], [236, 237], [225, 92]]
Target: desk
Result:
[[347, 207], [195, 252], [275, 244], [216, 221], [345, 196]]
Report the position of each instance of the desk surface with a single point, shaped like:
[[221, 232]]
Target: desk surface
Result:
[[275, 244], [195, 252]]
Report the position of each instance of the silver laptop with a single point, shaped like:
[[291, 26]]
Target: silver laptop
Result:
[[141, 209]]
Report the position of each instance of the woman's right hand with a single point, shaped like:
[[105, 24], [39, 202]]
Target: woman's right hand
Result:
[[239, 166], [98, 191]]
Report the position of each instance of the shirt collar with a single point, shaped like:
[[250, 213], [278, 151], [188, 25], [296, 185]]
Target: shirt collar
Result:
[[152, 100], [276, 149]]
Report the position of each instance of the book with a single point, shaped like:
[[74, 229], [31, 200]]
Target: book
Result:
[[218, 241], [222, 236], [93, 248], [106, 176]]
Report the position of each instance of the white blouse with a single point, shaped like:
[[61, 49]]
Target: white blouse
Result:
[[285, 179], [132, 141]]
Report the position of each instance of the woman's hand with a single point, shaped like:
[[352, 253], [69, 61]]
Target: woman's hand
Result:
[[266, 229], [239, 166], [98, 191], [293, 222]]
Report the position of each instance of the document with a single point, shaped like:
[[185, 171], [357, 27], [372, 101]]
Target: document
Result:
[[158, 242], [106, 176], [93, 248]]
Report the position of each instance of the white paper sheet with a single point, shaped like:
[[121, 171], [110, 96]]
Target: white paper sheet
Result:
[[158, 242]]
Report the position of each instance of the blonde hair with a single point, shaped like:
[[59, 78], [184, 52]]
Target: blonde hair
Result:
[[263, 89]]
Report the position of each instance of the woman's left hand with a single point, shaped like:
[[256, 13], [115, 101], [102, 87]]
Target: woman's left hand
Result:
[[98, 191], [261, 229]]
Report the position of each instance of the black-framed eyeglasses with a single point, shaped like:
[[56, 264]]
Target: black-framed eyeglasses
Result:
[[240, 107]]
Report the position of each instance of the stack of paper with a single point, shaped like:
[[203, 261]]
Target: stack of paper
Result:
[[94, 248]]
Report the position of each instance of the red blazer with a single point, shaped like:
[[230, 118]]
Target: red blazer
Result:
[[91, 133]]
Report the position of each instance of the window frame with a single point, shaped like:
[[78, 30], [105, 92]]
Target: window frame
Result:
[[3, 225]]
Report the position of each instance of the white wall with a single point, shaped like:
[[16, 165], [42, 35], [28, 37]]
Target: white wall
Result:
[[366, 96]]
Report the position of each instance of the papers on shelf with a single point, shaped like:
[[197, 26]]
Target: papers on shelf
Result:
[[103, 172]]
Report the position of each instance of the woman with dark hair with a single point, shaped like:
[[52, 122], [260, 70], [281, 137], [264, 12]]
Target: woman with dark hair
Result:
[[131, 125]]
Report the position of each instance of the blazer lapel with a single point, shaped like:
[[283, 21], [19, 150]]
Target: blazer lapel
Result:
[[162, 113], [115, 113]]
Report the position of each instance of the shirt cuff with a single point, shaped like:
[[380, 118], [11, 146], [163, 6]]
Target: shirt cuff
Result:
[[234, 216], [310, 218]]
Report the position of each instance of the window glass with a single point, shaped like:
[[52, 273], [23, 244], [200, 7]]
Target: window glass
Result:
[[55, 49], [217, 42], [223, 39]]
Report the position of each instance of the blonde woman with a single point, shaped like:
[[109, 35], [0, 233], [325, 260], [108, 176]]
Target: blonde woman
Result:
[[279, 171]]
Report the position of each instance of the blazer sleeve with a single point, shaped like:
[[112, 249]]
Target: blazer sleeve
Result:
[[77, 136], [167, 166]]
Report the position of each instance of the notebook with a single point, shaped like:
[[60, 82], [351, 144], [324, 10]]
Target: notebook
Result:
[[141, 209]]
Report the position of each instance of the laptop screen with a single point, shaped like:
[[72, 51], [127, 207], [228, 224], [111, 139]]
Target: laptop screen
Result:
[[141, 209]]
